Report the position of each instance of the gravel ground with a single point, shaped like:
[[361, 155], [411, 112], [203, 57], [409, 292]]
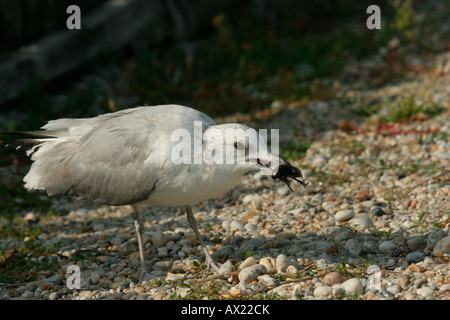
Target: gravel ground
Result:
[[372, 224]]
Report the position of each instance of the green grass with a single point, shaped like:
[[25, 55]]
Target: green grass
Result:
[[358, 271], [26, 257], [217, 290], [422, 225], [330, 178], [403, 110], [25, 260], [295, 150], [408, 108]]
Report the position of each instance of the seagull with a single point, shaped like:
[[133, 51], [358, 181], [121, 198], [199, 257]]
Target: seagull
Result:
[[136, 156]]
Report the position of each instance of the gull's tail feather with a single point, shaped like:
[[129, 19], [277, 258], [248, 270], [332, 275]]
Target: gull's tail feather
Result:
[[37, 145], [27, 143]]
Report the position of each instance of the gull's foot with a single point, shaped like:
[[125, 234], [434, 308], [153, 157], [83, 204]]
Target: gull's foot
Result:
[[212, 265]]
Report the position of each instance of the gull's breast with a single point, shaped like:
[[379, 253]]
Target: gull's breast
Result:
[[192, 183]]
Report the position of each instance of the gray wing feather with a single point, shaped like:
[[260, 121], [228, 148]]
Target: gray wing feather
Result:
[[115, 158]]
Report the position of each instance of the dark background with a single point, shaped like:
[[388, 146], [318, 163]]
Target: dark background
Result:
[[221, 57]]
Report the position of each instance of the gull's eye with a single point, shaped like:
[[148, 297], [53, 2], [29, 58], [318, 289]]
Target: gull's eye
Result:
[[238, 146]]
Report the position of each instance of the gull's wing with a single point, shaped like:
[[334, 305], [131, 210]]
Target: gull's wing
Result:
[[114, 158]]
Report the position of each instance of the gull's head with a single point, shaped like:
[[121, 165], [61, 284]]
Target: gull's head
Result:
[[243, 149]]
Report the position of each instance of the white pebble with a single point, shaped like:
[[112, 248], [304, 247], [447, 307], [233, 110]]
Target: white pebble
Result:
[[323, 291], [251, 273], [269, 263], [360, 222], [344, 215], [352, 286], [247, 263], [442, 247], [424, 292], [282, 263]]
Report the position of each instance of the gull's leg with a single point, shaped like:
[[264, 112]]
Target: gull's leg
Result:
[[210, 263], [139, 228]]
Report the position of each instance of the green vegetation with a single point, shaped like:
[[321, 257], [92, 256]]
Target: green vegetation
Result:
[[293, 150], [329, 177], [402, 110], [27, 258], [358, 271], [408, 108], [422, 225]]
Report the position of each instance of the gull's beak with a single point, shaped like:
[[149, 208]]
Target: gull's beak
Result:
[[286, 170]]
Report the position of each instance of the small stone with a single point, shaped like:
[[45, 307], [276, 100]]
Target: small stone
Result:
[[415, 257], [344, 215], [102, 259], [174, 277], [361, 222], [442, 247], [159, 239], [282, 263], [434, 237], [28, 294], [416, 243], [81, 212], [85, 295], [139, 289], [424, 291], [280, 243], [118, 284], [338, 290], [223, 252], [353, 247], [54, 295], [387, 246], [394, 289], [291, 269], [377, 211], [251, 273], [410, 296], [332, 249], [323, 291], [226, 267], [95, 277], [247, 263], [285, 235], [236, 225], [332, 278], [445, 288], [352, 286], [269, 263], [163, 252], [342, 235], [267, 280], [135, 255], [46, 285], [415, 268]]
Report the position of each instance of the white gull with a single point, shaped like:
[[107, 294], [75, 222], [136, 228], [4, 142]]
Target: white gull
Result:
[[126, 158]]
